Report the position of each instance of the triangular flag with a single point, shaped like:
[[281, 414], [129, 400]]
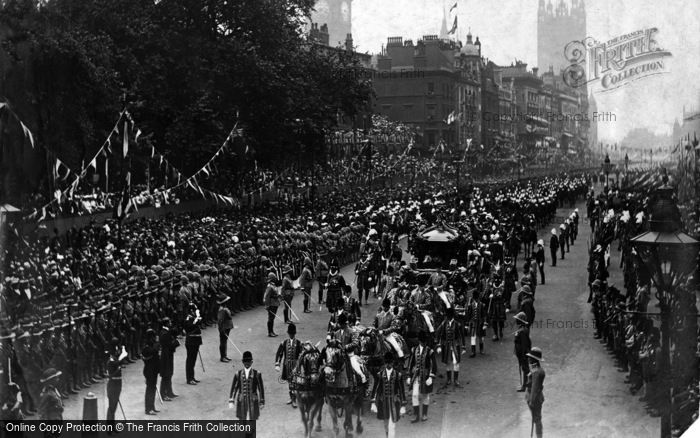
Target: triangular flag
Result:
[[138, 134], [453, 7], [93, 163], [205, 170]]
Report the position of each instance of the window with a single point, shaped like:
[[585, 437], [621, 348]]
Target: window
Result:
[[431, 87], [431, 111]]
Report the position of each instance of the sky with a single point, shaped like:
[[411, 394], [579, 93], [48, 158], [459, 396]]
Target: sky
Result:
[[507, 30]]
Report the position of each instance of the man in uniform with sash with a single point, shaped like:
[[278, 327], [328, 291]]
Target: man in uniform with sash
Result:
[[271, 300], [247, 390], [535, 386], [422, 367], [287, 293], [450, 336], [307, 282], [287, 355]]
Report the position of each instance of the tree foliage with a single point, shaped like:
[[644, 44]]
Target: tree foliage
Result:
[[186, 67]]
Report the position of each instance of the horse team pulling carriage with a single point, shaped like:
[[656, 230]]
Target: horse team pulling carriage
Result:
[[343, 374]]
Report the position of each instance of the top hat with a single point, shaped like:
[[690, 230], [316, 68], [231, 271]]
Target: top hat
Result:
[[292, 329], [247, 356]]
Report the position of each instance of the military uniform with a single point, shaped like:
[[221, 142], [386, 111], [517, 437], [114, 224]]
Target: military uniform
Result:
[[193, 340], [389, 397], [168, 344], [450, 335], [249, 394], [287, 355], [422, 368]]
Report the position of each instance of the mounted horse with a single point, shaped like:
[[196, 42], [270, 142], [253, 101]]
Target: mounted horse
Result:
[[343, 391], [309, 387]]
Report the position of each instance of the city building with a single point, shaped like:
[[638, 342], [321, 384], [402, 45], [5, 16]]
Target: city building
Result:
[[557, 26], [337, 15]]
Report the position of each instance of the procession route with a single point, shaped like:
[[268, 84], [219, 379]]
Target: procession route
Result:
[[584, 393]]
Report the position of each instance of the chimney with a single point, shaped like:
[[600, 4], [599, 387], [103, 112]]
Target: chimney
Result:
[[348, 43], [534, 71]]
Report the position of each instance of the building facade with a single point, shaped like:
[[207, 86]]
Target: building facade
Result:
[[337, 15], [557, 26]]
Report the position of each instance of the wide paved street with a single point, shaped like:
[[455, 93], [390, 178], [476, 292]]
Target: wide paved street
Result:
[[585, 394]]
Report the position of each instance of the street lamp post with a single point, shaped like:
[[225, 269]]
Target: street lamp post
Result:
[[668, 254], [606, 168]]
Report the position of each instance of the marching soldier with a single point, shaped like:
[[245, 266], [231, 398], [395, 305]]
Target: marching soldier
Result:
[[535, 386], [450, 335], [389, 396], [306, 282], [50, 403], [522, 347], [193, 340], [422, 367], [168, 344], [247, 390], [224, 322], [151, 366], [272, 302], [287, 355], [476, 318], [287, 293]]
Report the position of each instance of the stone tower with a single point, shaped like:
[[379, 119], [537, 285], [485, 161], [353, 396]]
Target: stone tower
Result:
[[556, 27], [338, 15]]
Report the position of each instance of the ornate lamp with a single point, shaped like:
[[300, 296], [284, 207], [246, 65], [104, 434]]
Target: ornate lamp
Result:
[[667, 253]]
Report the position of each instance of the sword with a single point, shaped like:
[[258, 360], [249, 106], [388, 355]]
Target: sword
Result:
[[275, 314], [160, 398], [234, 346], [532, 426], [201, 361], [290, 309], [122, 409]]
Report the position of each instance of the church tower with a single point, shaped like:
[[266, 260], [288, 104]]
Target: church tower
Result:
[[557, 26], [338, 15]]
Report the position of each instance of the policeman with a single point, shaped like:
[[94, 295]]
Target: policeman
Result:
[[193, 341]]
